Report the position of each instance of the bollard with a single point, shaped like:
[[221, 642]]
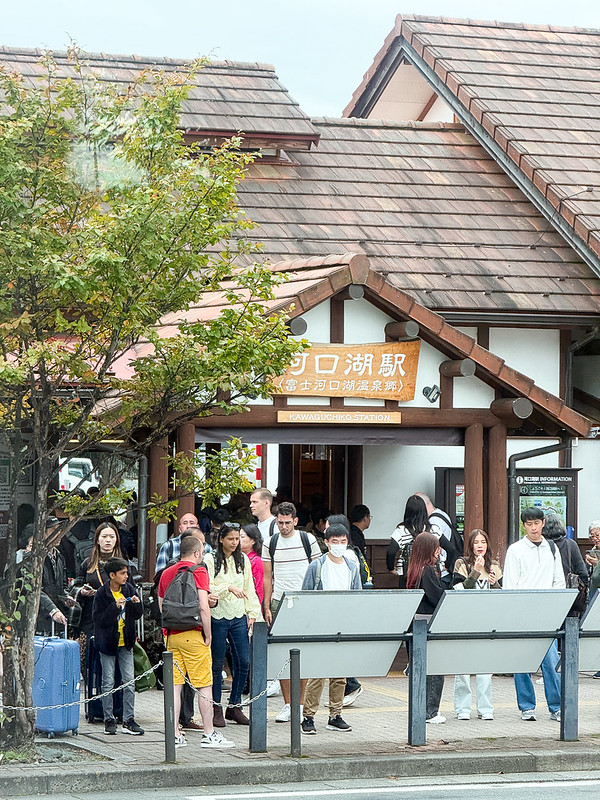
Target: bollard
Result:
[[258, 682], [169, 703], [295, 732], [569, 684], [417, 684]]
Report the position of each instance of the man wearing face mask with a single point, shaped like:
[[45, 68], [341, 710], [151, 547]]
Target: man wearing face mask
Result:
[[333, 571]]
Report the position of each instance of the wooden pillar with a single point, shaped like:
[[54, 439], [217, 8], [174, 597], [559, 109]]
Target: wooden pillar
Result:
[[497, 491], [355, 475], [158, 471], [186, 443], [473, 477]]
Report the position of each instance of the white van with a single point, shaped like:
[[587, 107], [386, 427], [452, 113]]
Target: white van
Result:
[[77, 473]]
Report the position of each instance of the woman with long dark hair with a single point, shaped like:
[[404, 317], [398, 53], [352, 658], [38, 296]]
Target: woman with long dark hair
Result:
[[251, 542], [424, 573], [232, 618], [476, 570], [414, 522]]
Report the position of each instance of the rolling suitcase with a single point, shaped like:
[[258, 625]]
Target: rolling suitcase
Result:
[[56, 681]]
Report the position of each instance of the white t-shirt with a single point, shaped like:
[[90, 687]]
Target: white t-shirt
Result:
[[265, 527], [289, 562], [335, 577]]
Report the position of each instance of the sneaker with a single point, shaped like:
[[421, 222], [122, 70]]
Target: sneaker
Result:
[[180, 741], [350, 698], [529, 715], [338, 724], [540, 681], [273, 688], [216, 740], [235, 714], [131, 726], [110, 727], [192, 726], [463, 715], [555, 715], [308, 726], [285, 714], [485, 716], [437, 720], [596, 675]]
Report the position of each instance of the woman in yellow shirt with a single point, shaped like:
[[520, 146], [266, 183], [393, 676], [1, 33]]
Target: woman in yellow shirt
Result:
[[232, 619]]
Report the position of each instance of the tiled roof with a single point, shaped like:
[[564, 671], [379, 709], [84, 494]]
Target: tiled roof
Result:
[[534, 89], [430, 208], [227, 97], [313, 280]]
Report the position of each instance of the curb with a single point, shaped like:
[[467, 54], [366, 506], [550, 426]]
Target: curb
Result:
[[82, 778]]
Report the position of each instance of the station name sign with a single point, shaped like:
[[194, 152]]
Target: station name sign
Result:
[[375, 371], [341, 417]]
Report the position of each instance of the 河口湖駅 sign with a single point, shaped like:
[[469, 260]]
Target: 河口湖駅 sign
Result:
[[383, 371]]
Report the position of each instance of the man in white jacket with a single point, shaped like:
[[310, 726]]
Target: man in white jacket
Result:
[[535, 563]]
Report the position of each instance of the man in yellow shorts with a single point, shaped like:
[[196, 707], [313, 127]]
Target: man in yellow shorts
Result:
[[189, 638]]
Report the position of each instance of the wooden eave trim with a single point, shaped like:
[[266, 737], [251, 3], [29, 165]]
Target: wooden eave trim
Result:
[[300, 141]]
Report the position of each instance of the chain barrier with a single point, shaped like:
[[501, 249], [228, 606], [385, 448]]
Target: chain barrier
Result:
[[244, 703], [87, 699]]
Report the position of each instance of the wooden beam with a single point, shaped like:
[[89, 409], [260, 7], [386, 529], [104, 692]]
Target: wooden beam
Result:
[[447, 392], [353, 292], [512, 410], [473, 477], [497, 491], [355, 475], [402, 331], [458, 368], [427, 107], [186, 443]]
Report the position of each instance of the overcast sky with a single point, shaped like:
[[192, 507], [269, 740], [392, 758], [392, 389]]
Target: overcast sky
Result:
[[320, 48]]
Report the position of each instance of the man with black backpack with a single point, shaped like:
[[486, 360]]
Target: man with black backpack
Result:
[[451, 541], [183, 598], [286, 556]]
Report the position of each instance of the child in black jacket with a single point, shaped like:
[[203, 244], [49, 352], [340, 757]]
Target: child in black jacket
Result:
[[115, 610]]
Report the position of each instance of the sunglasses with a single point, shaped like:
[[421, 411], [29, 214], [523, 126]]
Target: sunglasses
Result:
[[230, 526]]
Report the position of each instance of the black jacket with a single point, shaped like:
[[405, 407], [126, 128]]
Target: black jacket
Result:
[[105, 614]]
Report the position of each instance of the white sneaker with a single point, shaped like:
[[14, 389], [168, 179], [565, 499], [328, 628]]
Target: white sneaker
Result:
[[351, 697], [285, 714], [180, 741], [485, 716], [273, 688], [216, 740], [463, 715], [437, 720]]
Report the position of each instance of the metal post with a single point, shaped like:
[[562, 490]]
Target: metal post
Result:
[[295, 733], [169, 702], [258, 682], [569, 685], [417, 684], [142, 514]]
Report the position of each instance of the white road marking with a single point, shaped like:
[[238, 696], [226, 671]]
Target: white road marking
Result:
[[373, 790]]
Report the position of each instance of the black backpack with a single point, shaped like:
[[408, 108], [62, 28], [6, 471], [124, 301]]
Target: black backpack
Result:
[[457, 542], [365, 573], [180, 607], [305, 544]]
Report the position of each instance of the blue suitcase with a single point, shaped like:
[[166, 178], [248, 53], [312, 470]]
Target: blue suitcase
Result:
[[56, 681]]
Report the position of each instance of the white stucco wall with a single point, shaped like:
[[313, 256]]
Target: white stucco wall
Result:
[[586, 456], [535, 353]]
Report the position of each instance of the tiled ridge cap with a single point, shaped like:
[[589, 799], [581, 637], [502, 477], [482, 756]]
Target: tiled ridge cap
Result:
[[525, 26], [132, 58], [357, 122]]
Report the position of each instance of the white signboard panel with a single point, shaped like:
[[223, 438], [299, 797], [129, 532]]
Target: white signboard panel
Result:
[[329, 613], [500, 611]]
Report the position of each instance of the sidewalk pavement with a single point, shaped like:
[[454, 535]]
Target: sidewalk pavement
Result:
[[377, 746]]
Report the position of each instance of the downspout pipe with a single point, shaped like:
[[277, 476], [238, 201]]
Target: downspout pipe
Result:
[[142, 514], [513, 528]]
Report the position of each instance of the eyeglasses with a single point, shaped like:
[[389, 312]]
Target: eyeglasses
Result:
[[230, 526]]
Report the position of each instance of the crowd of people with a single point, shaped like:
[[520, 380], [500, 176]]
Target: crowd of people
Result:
[[215, 577]]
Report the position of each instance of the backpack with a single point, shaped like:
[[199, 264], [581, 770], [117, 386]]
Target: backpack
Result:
[[404, 557], [365, 573], [456, 540], [305, 544], [180, 607], [83, 550]]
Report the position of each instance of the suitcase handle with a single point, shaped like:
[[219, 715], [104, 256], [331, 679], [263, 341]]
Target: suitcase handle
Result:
[[52, 632]]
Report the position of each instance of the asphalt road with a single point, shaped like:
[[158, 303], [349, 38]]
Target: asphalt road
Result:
[[526, 787]]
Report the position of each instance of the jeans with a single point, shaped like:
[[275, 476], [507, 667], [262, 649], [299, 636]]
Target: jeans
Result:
[[524, 684], [234, 631], [433, 694], [125, 659], [462, 694]]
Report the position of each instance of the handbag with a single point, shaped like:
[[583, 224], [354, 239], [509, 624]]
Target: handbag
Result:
[[573, 581], [141, 663]]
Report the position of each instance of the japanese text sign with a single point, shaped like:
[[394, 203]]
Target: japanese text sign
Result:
[[383, 371]]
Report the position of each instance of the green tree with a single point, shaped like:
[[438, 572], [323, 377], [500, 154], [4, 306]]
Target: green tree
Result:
[[111, 227]]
